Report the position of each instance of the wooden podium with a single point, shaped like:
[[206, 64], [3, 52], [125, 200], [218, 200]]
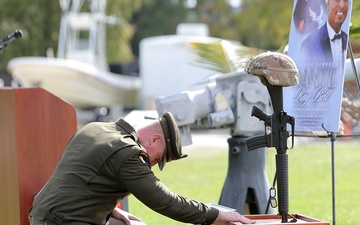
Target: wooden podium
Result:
[[35, 128]]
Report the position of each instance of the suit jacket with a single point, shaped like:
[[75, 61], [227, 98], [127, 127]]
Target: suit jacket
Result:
[[316, 47]]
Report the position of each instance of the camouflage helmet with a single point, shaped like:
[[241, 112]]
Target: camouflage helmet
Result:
[[277, 68]]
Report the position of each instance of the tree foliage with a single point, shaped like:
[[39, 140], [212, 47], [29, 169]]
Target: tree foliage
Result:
[[219, 16], [38, 33], [157, 17], [119, 37], [259, 24], [264, 24], [39, 21]]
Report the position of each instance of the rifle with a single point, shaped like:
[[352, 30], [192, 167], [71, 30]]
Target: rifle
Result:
[[276, 135]]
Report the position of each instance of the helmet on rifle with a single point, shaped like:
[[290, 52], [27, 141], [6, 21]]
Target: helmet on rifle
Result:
[[277, 68]]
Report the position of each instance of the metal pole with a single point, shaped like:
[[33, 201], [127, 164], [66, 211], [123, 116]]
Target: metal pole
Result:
[[332, 135], [333, 138]]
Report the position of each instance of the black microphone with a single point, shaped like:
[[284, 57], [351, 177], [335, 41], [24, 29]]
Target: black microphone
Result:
[[17, 34]]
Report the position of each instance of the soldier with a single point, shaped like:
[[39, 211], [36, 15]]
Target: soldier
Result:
[[105, 162]]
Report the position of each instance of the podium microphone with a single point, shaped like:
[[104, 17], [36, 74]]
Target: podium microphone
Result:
[[6, 40]]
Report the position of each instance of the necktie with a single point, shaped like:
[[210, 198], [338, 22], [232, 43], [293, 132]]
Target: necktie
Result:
[[336, 36]]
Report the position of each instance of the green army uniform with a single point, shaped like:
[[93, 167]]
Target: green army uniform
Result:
[[103, 163]]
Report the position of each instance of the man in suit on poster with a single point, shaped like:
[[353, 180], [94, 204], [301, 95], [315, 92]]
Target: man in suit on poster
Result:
[[328, 43]]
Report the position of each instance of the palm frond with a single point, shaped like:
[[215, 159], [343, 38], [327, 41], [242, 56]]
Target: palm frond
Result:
[[222, 56]]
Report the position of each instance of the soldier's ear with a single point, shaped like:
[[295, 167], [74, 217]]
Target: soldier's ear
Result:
[[155, 138]]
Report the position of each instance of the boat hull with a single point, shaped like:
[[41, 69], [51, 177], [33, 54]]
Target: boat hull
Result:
[[81, 84]]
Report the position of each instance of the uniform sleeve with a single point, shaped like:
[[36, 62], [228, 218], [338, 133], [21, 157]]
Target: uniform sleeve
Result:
[[138, 178]]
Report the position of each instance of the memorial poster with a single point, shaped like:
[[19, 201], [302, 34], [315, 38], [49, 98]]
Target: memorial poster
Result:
[[318, 45]]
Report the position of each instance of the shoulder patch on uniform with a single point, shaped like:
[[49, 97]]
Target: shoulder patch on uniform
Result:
[[144, 157]]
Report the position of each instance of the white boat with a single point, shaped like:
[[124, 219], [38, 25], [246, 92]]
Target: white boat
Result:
[[79, 74]]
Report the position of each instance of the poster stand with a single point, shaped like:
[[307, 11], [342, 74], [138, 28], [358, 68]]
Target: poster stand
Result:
[[333, 136]]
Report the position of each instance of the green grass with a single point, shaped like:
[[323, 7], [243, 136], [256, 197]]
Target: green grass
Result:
[[202, 175]]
